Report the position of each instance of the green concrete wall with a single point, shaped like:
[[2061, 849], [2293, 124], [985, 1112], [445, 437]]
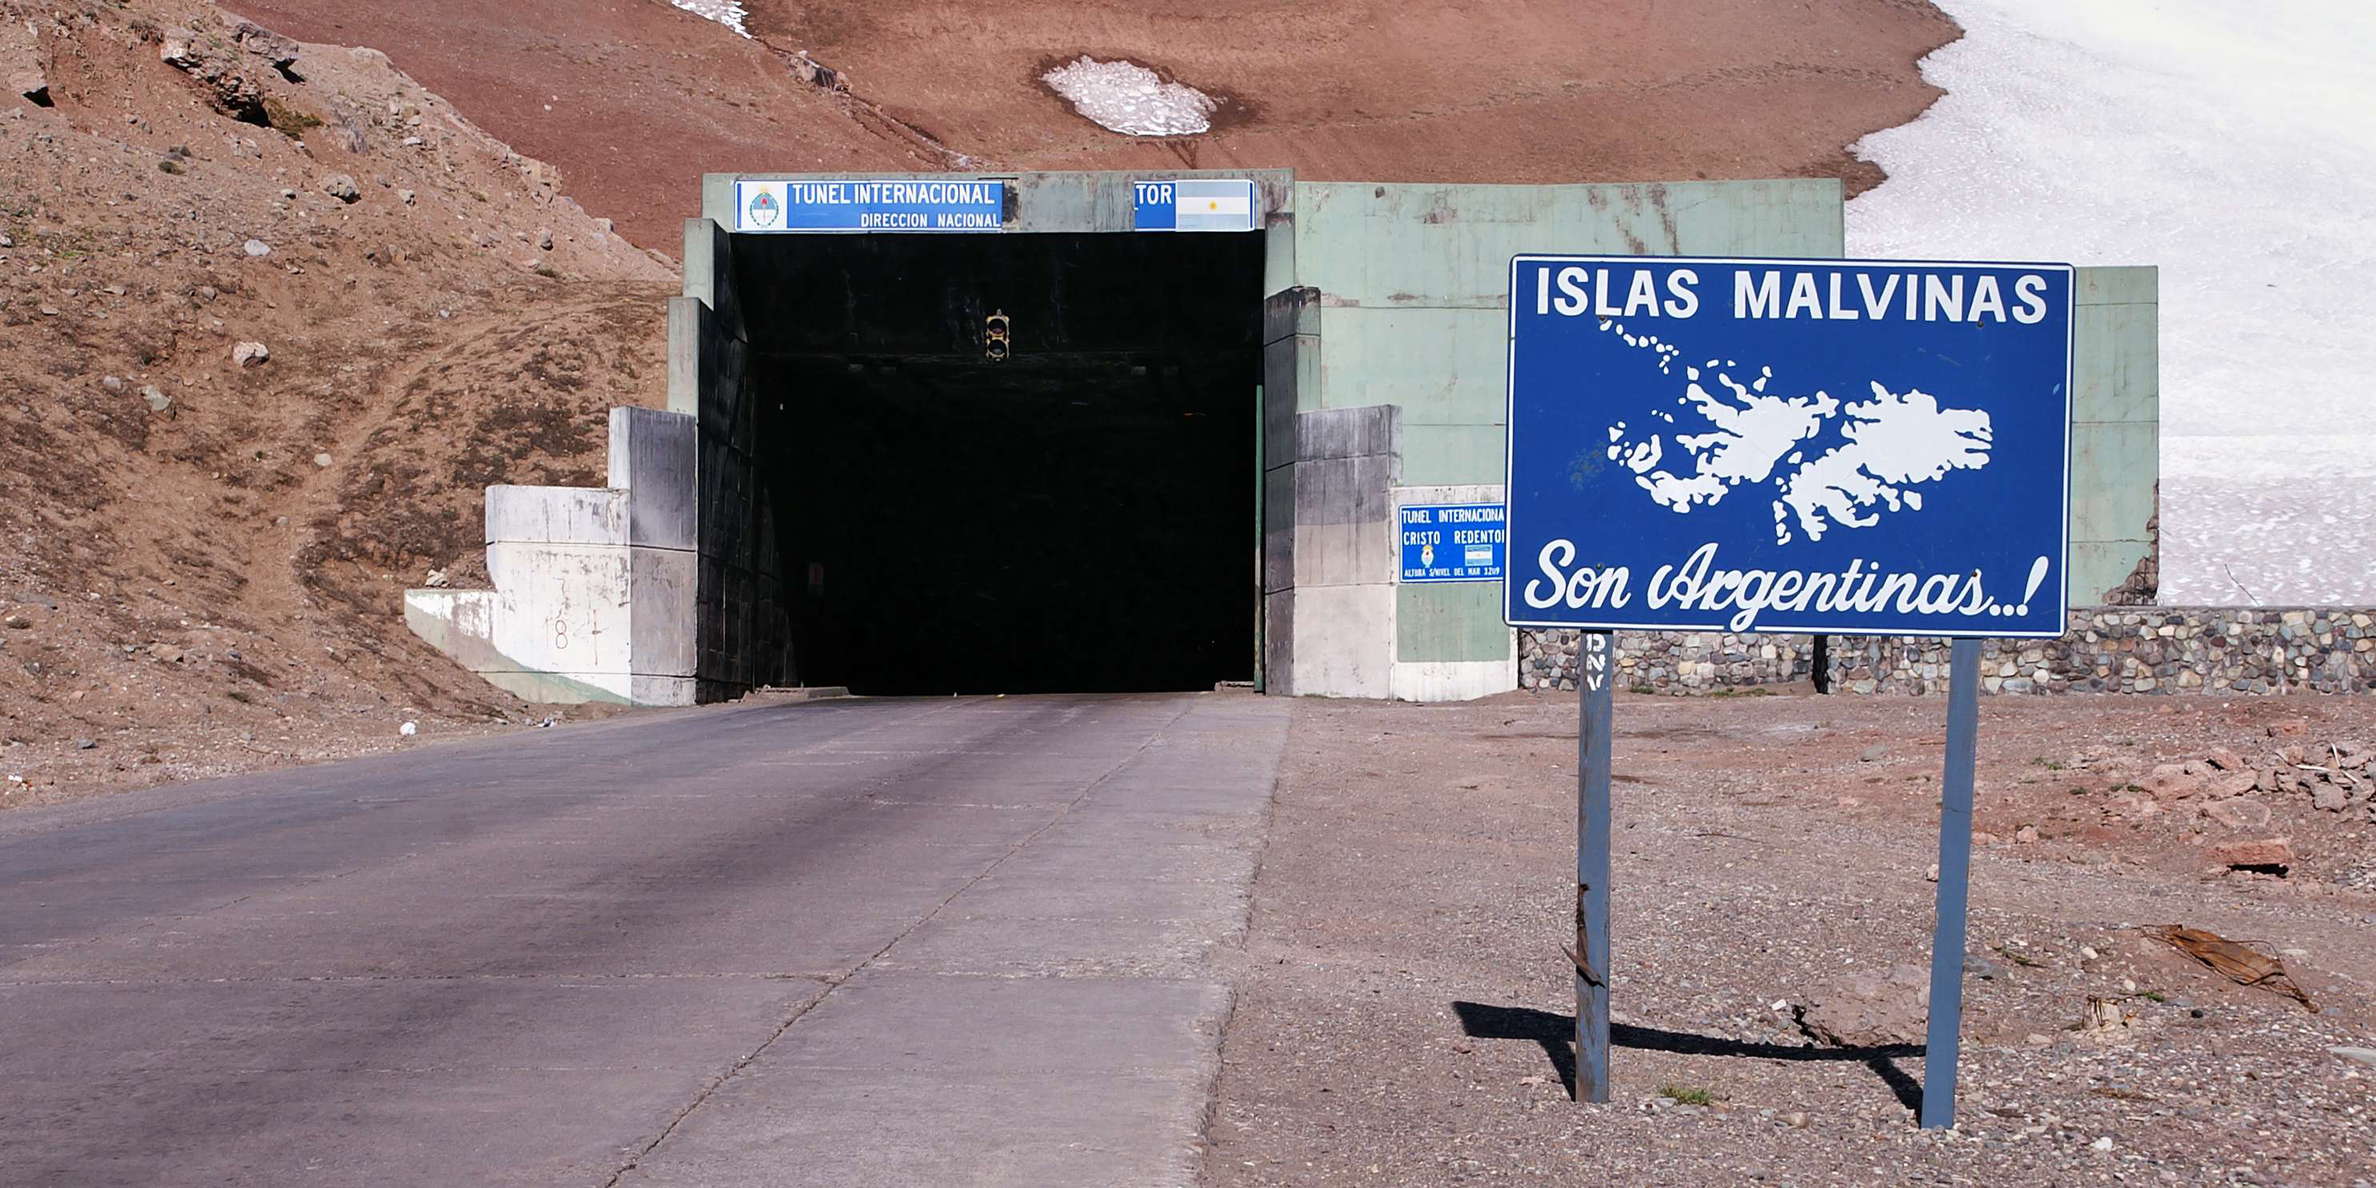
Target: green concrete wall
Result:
[[1411, 309], [1413, 281], [2115, 428]]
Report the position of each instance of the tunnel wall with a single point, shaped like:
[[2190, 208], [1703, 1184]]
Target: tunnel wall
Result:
[[742, 636]]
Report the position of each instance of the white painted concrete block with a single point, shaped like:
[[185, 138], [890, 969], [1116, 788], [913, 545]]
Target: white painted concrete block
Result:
[[1455, 680], [1344, 640], [563, 608], [593, 595], [557, 515]]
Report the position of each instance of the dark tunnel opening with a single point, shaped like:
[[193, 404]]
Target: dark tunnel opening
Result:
[[1071, 508]]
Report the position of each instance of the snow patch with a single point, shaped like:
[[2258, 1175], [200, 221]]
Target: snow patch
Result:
[[729, 13], [2230, 144], [1125, 97]]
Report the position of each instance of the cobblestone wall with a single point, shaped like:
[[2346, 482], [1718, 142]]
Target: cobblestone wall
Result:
[[2108, 649]]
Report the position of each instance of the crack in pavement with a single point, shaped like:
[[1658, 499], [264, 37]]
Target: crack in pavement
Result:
[[835, 982]]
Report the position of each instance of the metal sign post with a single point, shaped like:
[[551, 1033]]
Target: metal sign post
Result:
[[1862, 447], [1945, 1042], [1594, 701]]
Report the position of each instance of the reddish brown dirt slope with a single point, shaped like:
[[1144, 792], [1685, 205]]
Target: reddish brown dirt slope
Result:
[[201, 561], [632, 100]]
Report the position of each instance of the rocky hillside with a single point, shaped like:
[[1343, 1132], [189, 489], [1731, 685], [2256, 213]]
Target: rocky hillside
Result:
[[271, 315]]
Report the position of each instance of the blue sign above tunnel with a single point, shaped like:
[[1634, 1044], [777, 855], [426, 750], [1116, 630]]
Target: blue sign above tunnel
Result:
[[857, 204], [1788, 445], [1195, 204]]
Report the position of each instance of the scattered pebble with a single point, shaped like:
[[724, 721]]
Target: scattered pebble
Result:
[[256, 247], [248, 354]]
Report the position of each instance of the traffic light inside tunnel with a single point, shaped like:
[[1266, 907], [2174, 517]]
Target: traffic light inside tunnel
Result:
[[1010, 463]]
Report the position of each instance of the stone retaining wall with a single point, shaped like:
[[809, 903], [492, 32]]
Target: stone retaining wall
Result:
[[2111, 649]]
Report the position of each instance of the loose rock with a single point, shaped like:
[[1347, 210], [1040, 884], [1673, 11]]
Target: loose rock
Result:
[[2238, 814], [2171, 781], [248, 354], [341, 187], [2234, 783], [1870, 1007], [257, 247], [157, 401], [2272, 852]]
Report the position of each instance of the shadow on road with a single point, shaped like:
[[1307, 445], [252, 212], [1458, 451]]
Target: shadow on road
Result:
[[1556, 1033]]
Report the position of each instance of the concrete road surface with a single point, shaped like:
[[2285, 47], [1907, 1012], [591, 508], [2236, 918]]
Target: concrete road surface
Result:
[[848, 943]]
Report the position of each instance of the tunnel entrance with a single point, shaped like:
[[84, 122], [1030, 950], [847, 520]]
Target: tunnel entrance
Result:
[[1010, 462]]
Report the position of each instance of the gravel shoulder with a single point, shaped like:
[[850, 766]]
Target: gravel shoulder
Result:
[[1403, 1004]]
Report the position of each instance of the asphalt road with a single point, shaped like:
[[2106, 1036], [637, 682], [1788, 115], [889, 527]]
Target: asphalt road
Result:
[[855, 942]]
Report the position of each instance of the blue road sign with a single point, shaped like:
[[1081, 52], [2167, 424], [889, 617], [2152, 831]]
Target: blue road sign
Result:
[[1788, 445], [1451, 542], [1195, 204], [891, 204]]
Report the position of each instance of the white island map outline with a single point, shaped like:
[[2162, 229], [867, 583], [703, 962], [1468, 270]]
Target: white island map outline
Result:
[[1831, 463]]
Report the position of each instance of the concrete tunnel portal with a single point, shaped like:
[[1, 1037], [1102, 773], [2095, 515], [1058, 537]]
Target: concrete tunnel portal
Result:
[[1009, 463], [1002, 434]]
